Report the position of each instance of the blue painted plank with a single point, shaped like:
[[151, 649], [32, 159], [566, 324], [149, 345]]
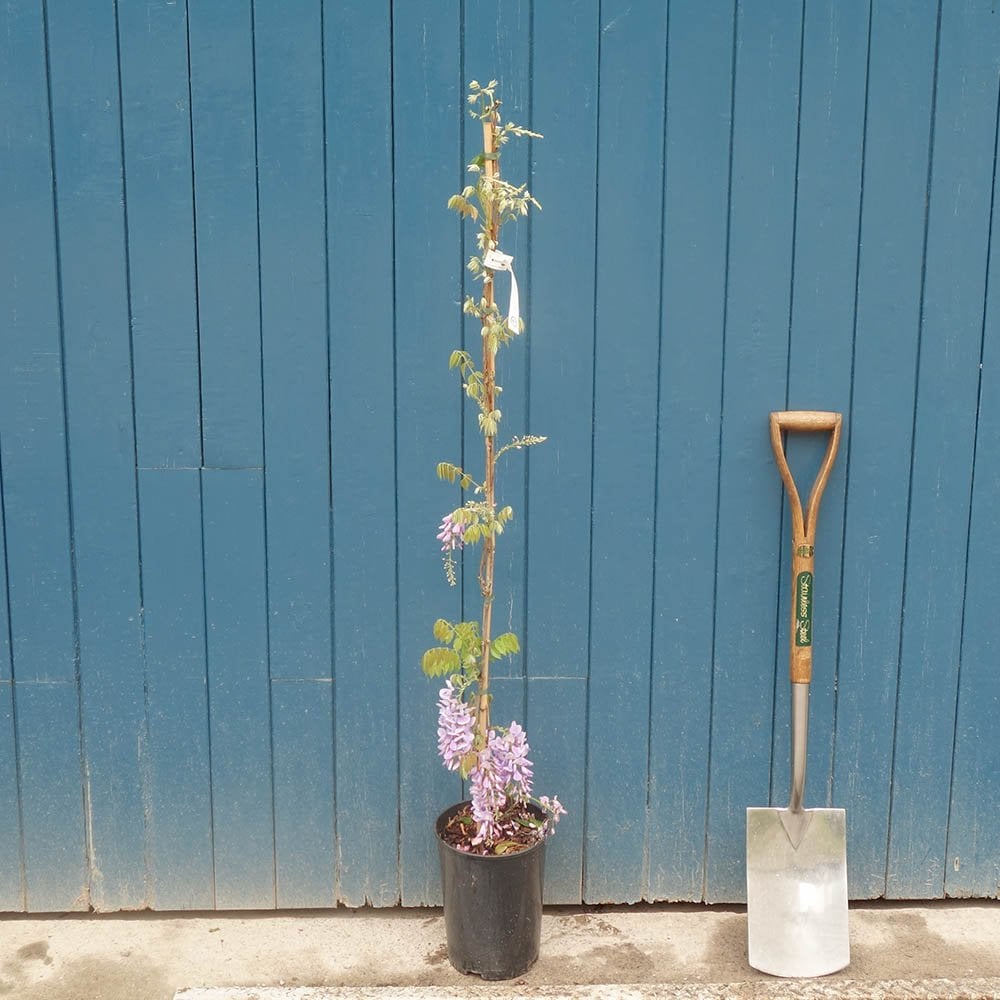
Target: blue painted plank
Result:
[[973, 847], [290, 125], [32, 437], [156, 121], [699, 96], [831, 132], [627, 319], [357, 58], [12, 895], [305, 864], [6, 674], [888, 321], [561, 361], [11, 846], [965, 115], [238, 688], [226, 232], [427, 113], [57, 871], [180, 811], [557, 708], [86, 127], [290, 149], [765, 117], [561, 366]]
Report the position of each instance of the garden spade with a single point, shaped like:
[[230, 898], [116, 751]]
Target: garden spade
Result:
[[796, 857]]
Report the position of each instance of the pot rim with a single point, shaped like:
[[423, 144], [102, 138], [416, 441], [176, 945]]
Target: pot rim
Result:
[[487, 858]]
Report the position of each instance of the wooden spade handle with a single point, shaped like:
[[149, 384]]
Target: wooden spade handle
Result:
[[803, 528]]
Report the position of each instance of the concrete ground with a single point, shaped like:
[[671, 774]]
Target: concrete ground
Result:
[[945, 951]]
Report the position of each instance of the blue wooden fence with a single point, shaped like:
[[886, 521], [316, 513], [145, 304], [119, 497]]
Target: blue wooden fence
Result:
[[228, 291]]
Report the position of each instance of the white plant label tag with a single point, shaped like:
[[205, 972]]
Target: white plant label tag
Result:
[[496, 260]]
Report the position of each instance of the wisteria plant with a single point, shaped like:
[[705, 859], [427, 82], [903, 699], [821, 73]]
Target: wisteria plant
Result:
[[504, 816]]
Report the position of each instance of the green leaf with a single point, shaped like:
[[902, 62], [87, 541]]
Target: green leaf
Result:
[[453, 473], [460, 204], [467, 763], [505, 847], [439, 661], [443, 630], [529, 822], [504, 645]]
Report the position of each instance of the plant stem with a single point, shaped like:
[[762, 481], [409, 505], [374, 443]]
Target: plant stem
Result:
[[487, 563]]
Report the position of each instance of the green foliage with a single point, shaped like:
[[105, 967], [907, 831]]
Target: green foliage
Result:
[[439, 661], [489, 422], [453, 473], [504, 645], [459, 653], [516, 444]]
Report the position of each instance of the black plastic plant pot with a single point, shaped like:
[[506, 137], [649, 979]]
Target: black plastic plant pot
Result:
[[492, 907]]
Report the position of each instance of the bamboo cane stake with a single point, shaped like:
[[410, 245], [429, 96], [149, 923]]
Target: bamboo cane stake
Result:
[[491, 169]]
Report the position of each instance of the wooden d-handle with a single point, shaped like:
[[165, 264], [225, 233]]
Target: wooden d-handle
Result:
[[803, 527], [807, 420]]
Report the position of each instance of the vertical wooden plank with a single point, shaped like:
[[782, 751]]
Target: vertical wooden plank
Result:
[[88, 150], [962, 167], [765, 117], [57, 869], [698, 123], [6, 675], [305, 865], [238, 689], [12, 894], [37, 618], [157, 151], [901, 73], [290, 156], [427, 119], [627, 319], [557, 708], [561, 368], [360, 248], [293, 302], [225, 189], [32, 427], [831, 135], [37, 601], [972, 865], [179, 766]]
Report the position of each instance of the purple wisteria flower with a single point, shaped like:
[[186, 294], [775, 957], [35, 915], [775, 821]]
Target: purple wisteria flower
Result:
[[503, 772], [455, 727], [553, 810], [487, 793], [517, 771], [451, 534]]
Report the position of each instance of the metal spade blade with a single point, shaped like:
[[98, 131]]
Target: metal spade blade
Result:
[[797, 897]]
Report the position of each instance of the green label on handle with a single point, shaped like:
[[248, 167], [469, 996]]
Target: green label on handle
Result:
[[804, 609]]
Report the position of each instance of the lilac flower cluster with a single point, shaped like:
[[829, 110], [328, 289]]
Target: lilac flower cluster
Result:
[[503, 772], [553, 810], [455, 727], [451, 534]]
